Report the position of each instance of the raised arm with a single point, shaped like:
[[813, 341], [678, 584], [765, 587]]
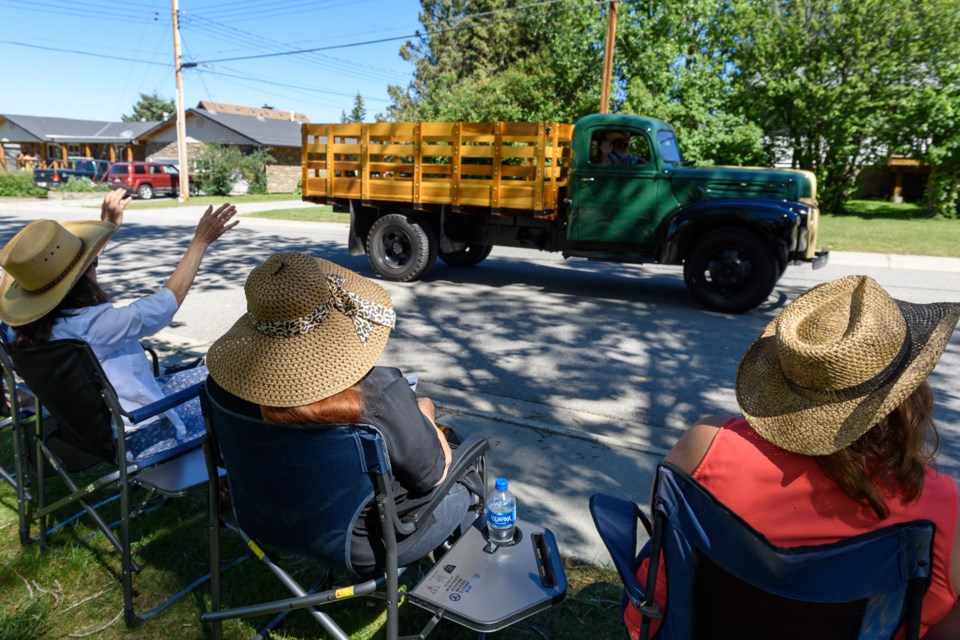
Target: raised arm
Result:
[[113, 205], [212, 225]]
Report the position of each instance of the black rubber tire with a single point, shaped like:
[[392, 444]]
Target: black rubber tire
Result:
[[145, 192], [730, 270], [400, 247], [468, 256]]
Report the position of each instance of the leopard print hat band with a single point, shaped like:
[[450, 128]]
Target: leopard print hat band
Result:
[[311, 330]]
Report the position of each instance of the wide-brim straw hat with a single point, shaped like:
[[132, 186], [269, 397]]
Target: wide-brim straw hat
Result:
[[837, 360], [312, 329], [43, 262]]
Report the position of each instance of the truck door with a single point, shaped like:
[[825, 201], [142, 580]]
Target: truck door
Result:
[[616, 191]]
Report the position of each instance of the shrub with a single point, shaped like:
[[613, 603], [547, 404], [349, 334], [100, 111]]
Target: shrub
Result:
[[220, 167], [83, 184], [19, 185]]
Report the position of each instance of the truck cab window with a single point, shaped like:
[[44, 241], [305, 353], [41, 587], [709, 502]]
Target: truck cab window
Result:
[[669, 151], [616, 147]]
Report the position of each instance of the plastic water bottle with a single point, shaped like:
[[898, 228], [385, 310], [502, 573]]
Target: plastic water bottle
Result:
[[501, 514]]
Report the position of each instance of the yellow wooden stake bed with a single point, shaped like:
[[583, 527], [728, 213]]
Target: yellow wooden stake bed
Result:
[[500, 166]]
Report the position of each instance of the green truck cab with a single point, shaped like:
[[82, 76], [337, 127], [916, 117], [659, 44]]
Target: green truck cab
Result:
[[611, 188]]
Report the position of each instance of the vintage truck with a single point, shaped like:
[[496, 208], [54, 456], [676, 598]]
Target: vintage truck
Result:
[[96, 170], [419, 190]]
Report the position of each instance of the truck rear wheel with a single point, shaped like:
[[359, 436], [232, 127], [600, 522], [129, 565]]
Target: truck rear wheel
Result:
[[401, 248], [730, 270], [468, 256]]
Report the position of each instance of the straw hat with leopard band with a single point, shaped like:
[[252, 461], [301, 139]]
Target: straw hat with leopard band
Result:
[[837, 360], [312, 329], [43, 262]]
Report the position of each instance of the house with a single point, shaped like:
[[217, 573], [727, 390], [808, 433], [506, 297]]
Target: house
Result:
[[50, 142], [247, 128]]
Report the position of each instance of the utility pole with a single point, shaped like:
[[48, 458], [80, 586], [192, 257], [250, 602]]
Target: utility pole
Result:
[[608, 58], [181, 125]]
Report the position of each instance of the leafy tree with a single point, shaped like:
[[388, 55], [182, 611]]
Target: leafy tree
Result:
[[672, 63], [357, 114], [150, 108], [825, 76], [221, 166]]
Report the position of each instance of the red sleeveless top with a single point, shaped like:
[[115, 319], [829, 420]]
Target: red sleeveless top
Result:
[[786, 497]]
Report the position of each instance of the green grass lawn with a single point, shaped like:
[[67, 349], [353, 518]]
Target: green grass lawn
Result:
[[316, 213], [885, 227]]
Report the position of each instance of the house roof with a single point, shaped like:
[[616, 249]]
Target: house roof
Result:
[[43, 129], [267, 132], [263, 112]]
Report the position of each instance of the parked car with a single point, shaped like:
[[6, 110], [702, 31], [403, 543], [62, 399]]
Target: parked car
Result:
[[145, 179], [96, 170]]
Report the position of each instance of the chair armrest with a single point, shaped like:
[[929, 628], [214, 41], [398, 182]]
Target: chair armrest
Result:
[[470, 451], [616, 522], [168, 402]]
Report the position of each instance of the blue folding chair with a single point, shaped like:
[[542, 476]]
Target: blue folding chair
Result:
[[84, 412], [301, 489], [724, 579]]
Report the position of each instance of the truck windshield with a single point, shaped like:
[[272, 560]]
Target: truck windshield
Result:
[[669, 151]]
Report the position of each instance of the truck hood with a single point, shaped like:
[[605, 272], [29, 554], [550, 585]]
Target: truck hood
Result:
[[721, 182]]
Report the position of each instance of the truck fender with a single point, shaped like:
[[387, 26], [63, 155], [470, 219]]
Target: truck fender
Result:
[[773, 221], [361, 219]]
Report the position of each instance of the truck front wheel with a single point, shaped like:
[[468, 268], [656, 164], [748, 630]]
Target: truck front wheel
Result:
[[730, 270], [400, 247], [468, 256], [145, 191]]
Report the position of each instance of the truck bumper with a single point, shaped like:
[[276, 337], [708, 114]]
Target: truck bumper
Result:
[[820, 259]]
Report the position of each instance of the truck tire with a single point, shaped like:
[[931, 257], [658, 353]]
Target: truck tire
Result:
[[145, 191], [730, 270], [400, 247], [468, 256]]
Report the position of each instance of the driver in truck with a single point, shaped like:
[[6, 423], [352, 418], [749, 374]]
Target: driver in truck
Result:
[[615, 149]]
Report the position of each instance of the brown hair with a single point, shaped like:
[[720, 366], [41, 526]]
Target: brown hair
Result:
[[86, 293], [345, 407], [891, 455]]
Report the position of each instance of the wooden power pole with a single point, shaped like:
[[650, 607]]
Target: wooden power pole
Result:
[[608, 58], [181, 125]]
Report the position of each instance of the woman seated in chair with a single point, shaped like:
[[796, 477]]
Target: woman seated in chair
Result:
[[49, 291], [837, 437], [304, 353]]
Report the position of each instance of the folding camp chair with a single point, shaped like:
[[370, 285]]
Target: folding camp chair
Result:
[[724, 579], [300, 489], [15, 421], [68, 382]]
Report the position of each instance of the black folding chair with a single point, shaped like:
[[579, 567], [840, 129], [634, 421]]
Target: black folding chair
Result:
[[69, 383], [16, 420], [300, 489], [725, 580]]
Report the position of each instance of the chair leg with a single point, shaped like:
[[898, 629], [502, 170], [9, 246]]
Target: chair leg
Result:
[[393, 587], [213, 522]]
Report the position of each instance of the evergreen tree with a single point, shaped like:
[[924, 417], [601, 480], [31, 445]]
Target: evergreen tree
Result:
[[151, 108], [357, 114]]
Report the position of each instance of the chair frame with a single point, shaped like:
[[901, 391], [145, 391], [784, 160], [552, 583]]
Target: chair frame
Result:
[[384, 586], [16, 422], [676, 495], [170, 474]]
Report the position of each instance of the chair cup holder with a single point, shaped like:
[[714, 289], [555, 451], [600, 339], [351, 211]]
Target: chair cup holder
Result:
[[491, 546]]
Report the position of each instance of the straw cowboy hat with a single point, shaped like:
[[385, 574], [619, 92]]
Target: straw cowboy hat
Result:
[[312, 329], [836, 361], [43, 262]]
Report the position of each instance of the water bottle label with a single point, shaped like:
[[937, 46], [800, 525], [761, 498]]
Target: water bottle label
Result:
[[501, 520]]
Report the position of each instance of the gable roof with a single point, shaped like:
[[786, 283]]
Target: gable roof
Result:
[[266, 132], [44, 129], [262, 112]]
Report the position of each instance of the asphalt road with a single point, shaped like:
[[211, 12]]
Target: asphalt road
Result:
[[583, 374]]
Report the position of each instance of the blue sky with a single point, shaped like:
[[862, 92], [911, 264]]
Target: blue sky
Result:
[[92, 59]]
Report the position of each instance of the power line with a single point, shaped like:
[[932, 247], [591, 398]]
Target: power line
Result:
[[415, 35], [84, 53]]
